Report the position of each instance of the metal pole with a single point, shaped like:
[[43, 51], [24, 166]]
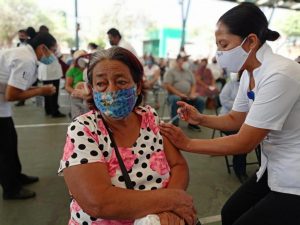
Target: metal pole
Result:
[[76, 27], [184, 15]]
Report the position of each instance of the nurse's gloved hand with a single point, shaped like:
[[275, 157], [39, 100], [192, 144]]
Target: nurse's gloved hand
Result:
[[48, 89]]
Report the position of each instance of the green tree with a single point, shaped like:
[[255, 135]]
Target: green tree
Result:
[[290, 25], [20, 14], [131, 25]]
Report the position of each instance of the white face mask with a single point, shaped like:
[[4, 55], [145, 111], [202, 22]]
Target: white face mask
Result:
[[186, 66], [233, 59]]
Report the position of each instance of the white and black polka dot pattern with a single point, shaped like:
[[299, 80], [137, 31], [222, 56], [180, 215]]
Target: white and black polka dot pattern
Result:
[[92, 144]]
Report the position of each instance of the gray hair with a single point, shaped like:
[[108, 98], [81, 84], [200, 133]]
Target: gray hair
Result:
[[120, 54]]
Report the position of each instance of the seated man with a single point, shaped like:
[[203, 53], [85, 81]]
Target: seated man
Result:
[[151, 79], [205, 84], [180, 84]]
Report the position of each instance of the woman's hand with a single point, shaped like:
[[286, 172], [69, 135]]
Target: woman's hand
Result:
[[175, 135], [82, 91], [184, 206], [189, 113], [169, 218]]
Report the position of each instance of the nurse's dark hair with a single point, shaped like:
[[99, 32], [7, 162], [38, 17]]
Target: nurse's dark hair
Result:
[[247, 18], [42, 38], [124, 56]]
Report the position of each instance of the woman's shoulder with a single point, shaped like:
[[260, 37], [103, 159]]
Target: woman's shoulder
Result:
[[86, 119], [150, 118], [147, 109]]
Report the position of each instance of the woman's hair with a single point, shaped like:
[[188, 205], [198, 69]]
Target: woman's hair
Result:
[[247, 18], [42, 38], [31, 32], [122, 55]]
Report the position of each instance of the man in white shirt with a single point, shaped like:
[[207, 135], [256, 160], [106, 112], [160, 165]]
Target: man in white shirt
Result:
[[51, 74], [115, 39]]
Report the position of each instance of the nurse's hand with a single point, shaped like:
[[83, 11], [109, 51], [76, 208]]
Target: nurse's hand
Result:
[[188, 113], [48, 89], [175, 135]]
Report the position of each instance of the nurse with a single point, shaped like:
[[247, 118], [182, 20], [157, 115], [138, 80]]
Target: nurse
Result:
[[18, 67], [266, 109]]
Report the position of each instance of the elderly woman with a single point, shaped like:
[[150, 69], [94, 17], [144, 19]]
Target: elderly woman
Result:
[[158, 171]]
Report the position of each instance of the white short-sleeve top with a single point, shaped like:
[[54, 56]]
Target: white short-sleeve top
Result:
[[18, 68], [276, 107]]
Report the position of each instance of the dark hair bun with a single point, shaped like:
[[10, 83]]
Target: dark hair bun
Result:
[[272, 35]]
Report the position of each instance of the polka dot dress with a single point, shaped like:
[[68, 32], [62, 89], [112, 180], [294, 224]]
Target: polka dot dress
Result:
[[88, 142]]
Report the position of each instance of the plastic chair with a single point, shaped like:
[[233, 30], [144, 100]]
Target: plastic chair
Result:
[[257, 153]]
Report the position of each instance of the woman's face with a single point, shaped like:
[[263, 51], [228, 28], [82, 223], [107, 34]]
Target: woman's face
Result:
[[225, 40], [111, 75]]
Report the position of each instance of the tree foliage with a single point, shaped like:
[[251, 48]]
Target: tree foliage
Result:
[[121, 17], [290, 25], [20, 14]]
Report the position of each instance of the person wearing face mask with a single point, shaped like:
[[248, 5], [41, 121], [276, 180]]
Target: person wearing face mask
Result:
[[51, 74], [266, 109], [75, 77], [158, 173], [152, 78], [180, 84], [18, 71], [205, 84], [22, 35]]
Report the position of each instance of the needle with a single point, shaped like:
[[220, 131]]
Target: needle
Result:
[[174, 118]]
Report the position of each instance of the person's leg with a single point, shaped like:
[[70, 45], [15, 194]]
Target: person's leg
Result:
[[155, 92], [198, 103], [249, 194], [55, 105], [54, 102], [239, 166], [172, 100], [48, 100], [274, 209], [10, 166]]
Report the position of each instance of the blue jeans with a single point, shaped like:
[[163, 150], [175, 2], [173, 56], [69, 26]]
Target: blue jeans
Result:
[[198, 103]]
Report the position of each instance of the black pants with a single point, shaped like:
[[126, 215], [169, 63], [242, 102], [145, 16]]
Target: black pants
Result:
[[51, 101], [255, 204], [10, 166]]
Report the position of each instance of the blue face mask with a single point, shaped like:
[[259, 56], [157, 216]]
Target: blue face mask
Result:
[[116, 104], [47, 59]]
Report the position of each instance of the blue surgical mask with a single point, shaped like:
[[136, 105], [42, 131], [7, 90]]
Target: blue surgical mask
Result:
[[47, 59], [116, 104]]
